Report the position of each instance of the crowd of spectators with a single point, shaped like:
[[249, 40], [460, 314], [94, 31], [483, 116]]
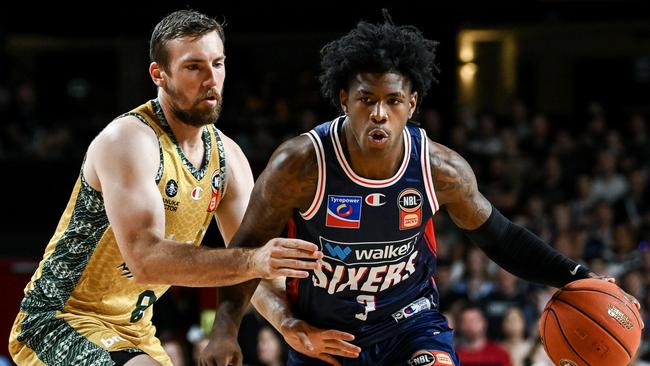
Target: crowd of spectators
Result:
[[580, 182]]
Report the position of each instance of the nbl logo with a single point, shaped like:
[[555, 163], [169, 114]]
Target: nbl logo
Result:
[[409, 202], [425, 358], [216, 181]]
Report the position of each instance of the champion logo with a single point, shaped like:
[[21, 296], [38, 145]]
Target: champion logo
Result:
[[375, 199], [196, 193]]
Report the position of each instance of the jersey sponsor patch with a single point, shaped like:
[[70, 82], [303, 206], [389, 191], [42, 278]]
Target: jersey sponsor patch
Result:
[[108, 342], [368, 267], [343, 212], [213, 201], [171, 188], [443, 358], [409, 202], [371, 252], [170, 204], [215, 181], [375, 199]]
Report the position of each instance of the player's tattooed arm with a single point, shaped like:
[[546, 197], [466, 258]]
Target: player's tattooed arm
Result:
[[456, 188], [288, 183]]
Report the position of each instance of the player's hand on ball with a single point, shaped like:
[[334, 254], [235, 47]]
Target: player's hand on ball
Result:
[[629, 297], [286, 257], [318, 343]]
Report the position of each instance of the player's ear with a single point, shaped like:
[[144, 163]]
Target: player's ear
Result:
[[413, 102], [343, 98], [156, 72]]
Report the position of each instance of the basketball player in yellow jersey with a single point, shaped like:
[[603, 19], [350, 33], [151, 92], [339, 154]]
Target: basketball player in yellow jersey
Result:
[[150, 184]]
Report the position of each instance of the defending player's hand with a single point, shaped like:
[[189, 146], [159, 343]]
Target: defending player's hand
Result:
[[222, 351], [286, 257], [318, 343]]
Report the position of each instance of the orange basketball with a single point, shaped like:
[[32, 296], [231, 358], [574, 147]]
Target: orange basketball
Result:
[[590, 322]]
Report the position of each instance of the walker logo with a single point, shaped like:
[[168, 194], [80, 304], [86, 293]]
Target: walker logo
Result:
[[368, 252], [337, 252], [375, 199], [343, 212]]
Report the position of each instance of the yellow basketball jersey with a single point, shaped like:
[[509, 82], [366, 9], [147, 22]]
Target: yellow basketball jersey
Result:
[[83, 282]]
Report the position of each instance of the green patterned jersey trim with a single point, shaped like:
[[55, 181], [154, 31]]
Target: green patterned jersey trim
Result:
[[207, 152], [57, 343], [53, 340], [65, 265], [222, 159], [161, 166]]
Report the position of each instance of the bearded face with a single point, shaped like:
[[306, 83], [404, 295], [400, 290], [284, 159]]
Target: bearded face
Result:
[[193, 78], [203, 109]]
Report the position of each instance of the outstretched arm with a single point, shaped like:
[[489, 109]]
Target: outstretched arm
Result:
[[511, 246], [122, 163], [288, 183]]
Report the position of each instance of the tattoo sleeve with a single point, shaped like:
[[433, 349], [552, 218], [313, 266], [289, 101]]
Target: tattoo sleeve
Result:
[[456, 188], [288, 183]]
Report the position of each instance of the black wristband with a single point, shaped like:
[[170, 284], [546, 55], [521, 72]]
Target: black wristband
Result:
[[523, 253]]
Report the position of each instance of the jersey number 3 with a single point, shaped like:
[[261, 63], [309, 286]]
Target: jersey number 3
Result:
[[369, 302]]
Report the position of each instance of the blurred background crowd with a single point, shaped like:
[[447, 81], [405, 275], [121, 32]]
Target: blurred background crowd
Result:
[[550, 105]]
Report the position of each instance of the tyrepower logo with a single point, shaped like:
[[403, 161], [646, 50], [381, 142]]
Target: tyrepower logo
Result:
[[343, 212], [368, 252]]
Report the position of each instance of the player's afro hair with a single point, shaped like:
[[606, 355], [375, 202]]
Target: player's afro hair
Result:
[[378, 48]]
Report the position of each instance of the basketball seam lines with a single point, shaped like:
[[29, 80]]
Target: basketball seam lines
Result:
[[594, 320], [559, 327], [624, 302]]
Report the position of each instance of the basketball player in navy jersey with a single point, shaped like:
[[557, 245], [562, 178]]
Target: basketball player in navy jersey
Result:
[[364, 187]]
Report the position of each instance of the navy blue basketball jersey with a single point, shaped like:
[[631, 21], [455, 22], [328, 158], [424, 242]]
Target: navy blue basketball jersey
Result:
[[377, 238]]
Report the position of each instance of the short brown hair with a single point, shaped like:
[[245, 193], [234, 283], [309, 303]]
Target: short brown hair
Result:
[[179, 24]]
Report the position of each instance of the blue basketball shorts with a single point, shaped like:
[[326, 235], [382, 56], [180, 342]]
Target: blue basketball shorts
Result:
[[421, 342]]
